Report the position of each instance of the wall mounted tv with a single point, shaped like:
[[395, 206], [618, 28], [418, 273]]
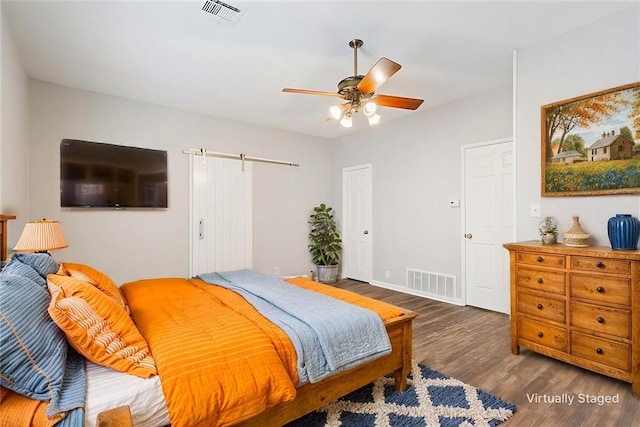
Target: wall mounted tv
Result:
[[94, 174]]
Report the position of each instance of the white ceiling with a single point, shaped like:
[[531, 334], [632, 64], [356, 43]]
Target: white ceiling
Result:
[[172, 53]]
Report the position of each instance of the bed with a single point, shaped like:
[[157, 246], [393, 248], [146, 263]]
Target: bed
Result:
[[166, 375]]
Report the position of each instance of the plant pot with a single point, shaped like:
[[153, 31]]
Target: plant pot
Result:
[[327, 273], [549, 238]]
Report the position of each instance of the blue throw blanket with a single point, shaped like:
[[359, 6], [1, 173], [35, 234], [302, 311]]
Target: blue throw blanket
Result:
[[329, 335]]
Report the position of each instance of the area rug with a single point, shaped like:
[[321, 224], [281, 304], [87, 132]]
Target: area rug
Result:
[[432, 400]]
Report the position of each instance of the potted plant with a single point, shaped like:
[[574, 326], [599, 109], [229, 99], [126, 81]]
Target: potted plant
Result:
[[548, 230], [325, 243]]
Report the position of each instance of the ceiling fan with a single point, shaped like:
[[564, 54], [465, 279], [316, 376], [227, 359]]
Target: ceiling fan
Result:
[[359, 91]]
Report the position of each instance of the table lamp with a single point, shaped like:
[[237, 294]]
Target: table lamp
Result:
[[41, 236]]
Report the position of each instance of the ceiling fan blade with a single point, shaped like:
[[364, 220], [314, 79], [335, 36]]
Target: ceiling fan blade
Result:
[[378, 74], [311, 92], [397, 102]]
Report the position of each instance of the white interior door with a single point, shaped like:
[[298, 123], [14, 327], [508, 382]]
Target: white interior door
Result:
[[221, 215], [357, 218], [489, 217]]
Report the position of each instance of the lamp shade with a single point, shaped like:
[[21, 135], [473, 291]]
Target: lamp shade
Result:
[[41, 236]]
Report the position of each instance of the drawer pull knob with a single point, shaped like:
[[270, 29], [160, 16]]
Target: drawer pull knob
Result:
[[599, 350], [540, 280], [600, 289], [600, 319], [540, 335], [540, 259], [540, 307], [599, 264]]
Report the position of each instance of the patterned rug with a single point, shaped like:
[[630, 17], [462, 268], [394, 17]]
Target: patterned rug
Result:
[[432, 400]]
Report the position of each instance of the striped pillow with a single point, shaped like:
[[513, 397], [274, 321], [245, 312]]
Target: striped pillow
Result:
[[44, 264], [18, 268], [98, 327], [95, 278], [33, 349]]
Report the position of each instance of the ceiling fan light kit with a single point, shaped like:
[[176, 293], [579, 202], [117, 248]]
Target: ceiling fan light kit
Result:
[[370, 108], [374, 119], [347, 120], [336, 111], [359, 91]]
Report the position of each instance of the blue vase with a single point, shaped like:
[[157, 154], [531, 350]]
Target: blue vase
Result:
[[624, 231]]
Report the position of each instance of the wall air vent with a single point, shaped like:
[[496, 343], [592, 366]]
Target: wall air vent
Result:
[[222, 12], [438, 286]]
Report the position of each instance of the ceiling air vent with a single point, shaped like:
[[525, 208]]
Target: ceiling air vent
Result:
[[222, 12]]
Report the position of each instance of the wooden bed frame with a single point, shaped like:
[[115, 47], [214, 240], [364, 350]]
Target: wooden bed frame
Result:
[[310, 396], [313, 396]]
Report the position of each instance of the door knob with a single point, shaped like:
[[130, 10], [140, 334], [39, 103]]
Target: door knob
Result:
[[366, 231], [468, 235]]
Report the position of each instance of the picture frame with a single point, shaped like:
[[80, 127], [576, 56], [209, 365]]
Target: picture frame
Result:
[[591, 144]]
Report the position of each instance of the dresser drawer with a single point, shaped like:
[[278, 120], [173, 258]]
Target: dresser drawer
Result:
[[601, 265], [557, 261], [601, 319], [542, 280], [542, 307], [546, 335], [601, 289], [611, 353]]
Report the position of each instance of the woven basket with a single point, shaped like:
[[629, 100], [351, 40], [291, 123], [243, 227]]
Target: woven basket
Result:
[[575, 235], [576, 241]]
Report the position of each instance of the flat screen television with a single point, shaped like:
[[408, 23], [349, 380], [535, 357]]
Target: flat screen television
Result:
[[95, 174]]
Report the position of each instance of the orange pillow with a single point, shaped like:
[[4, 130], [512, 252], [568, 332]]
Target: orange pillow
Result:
[[97, 279], [97, 327]]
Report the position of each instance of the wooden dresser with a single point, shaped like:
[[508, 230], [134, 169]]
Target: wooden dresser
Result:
[[578, 305]]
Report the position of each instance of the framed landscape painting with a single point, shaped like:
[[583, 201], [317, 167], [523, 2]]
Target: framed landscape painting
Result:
[[591, 144]]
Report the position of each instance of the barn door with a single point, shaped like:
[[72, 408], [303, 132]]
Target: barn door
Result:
[[221, 211]]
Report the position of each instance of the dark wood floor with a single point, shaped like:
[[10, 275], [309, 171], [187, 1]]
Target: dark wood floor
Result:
[[473, 345]]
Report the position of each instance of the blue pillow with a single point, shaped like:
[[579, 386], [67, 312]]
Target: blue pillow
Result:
[[33, 349], [15, 266], [43, 263]]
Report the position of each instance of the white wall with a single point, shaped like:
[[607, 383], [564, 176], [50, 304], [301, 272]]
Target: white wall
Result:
[[596, 57], [416, 164], [416, 161], [134, 244], [14, 136], [416, 171]]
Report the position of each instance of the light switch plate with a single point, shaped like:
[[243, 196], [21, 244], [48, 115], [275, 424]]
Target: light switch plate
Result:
[[535, 210]]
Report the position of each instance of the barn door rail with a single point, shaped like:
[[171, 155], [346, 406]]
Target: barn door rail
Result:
[[242, 157]]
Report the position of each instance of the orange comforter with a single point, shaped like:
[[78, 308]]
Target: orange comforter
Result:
[[200, 346], [17, 410], [219, 360]]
